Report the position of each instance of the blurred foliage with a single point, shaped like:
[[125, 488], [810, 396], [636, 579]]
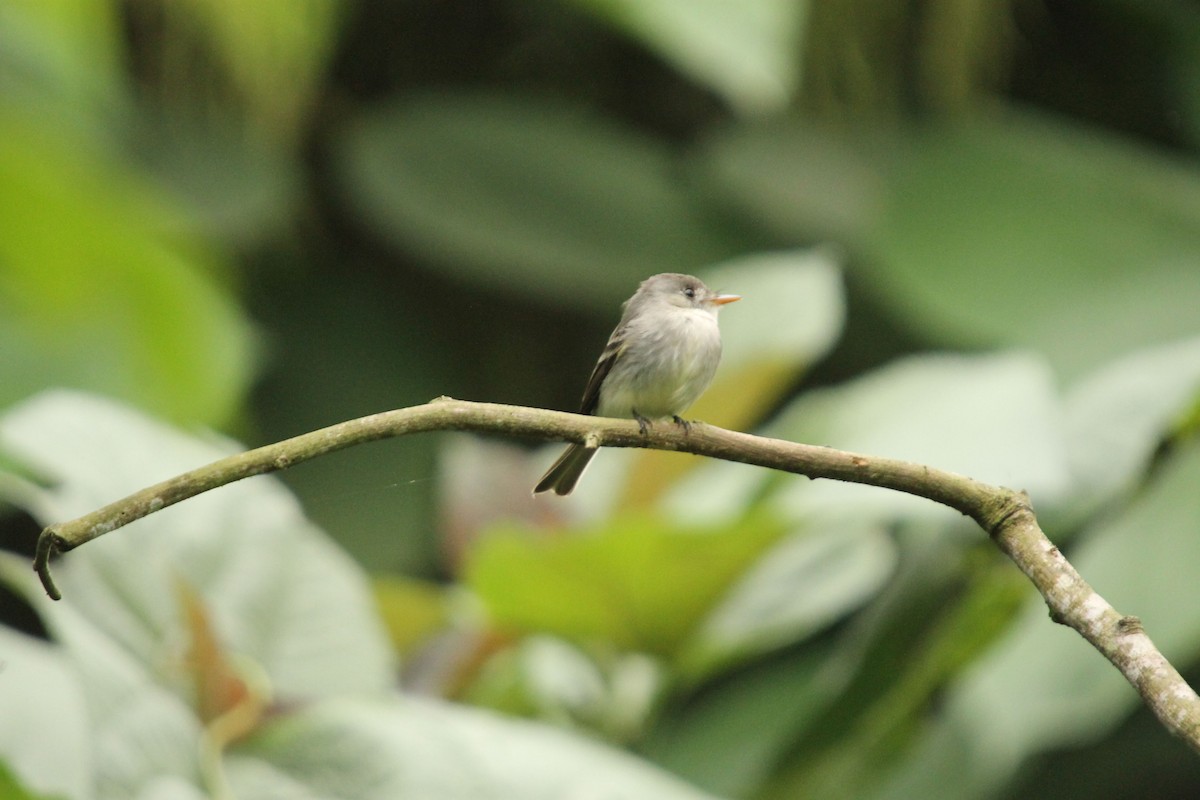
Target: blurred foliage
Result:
[[966, 235], [250, 664]]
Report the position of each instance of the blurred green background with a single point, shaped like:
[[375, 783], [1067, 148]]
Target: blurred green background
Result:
[[967, 233]]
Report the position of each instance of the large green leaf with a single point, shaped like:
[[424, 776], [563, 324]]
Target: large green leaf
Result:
[[828, 718], [273, 51], [278, 592], [728, 738], [101, 288], [410, 748], [599, 689], [134, 732], [10, 789], [236, 188], [1007, 229], [995, 418], [802, 585], [792, 310], [950, 601], [525, 195], [234, 109], [41, 701], [749, 52], [799, 181], [62, 61], [1118, 417], [1036, 233], [640, 583]]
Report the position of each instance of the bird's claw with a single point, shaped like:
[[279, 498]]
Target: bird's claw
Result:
[[683, 423], [643, 423]]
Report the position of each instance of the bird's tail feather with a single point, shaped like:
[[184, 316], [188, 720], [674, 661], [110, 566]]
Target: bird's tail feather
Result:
[[564, 473]]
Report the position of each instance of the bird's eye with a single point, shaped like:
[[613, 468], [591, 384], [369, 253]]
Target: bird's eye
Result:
[[689, 293]]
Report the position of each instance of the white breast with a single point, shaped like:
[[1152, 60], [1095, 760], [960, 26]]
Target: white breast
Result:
[[665, 369]]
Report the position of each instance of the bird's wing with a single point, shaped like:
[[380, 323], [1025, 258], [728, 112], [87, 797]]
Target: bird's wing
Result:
[[612, 351]]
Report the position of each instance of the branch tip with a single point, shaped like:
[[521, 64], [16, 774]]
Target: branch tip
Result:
[[48, 544]]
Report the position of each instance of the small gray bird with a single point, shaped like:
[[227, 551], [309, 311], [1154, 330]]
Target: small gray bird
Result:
[[661, 357]]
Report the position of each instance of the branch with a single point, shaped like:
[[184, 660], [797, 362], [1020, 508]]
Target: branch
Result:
[[1006, 515]]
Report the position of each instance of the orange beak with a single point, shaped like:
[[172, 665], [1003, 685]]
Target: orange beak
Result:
[[722, 299]]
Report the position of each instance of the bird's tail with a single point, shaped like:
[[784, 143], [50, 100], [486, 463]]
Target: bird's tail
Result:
[[564, 474]]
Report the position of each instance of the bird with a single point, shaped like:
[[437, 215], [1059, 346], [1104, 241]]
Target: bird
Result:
[[658, 361]]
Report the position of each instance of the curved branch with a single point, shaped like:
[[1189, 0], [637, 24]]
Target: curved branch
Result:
[[1005, 514]]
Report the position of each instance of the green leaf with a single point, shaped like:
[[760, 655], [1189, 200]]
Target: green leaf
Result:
[[1007, 230], [234, 108], [10, 789], [728, 738], [748, 52], [274, 52], [235, 187], [1042, 235], [41, 701], [897, 658], [1117, 417], [995, 418], [603, 691], [279, 593], [410, 748], [802, 585], [640, 584], [792, 311], [1026, 232], [524, 195], [412, 610], [62, 61], [139, 732], [856, 696], [797, 180], [124, 303]]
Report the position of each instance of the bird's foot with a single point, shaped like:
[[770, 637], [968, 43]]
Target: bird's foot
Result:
[[643, 423], [683, 423]]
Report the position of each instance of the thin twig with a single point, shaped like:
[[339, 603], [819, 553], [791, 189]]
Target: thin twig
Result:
[[1006, 515]]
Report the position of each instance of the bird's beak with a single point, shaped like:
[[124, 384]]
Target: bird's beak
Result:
[[722, 299]]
